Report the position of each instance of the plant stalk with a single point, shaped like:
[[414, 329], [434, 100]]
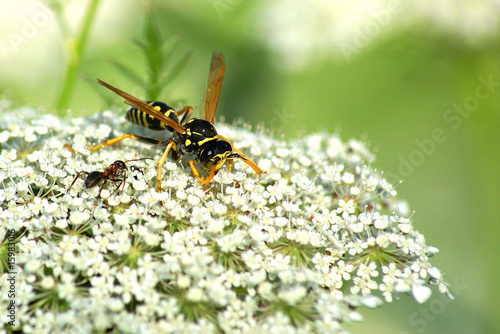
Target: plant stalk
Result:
[[75, 49]]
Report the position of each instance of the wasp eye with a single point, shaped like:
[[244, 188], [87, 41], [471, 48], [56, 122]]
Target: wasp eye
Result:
[[206, 155]]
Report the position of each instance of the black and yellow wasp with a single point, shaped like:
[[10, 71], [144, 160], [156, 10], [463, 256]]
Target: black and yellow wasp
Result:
[[195, 136]]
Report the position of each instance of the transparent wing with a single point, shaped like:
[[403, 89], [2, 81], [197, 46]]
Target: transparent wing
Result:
[[215, 76], [144, 106]]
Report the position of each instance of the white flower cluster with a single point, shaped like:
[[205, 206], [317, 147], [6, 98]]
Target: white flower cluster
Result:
[[296, 250]]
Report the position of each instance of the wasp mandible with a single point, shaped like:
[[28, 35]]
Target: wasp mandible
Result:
[[195, 136]]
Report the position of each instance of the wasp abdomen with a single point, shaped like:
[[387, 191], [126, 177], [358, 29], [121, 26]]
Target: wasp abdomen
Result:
[[139, 117]]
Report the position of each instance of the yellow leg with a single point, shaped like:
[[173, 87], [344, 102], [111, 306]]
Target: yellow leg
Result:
[[229, 165], [69, 148], [192, 164], [114, 141], [187, 109], [131, 136], [162, 161], [244, 157], [210, 176], [196, 174]]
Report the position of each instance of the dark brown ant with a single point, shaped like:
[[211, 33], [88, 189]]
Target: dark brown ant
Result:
[[116, 173]]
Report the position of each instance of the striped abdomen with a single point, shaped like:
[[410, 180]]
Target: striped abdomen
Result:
[[141, 118]]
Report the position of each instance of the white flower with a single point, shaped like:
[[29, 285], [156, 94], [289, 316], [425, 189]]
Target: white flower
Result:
[[381, 222], [347, 178], [367, 271], [273, 194], [193, 200], [195, 294], [421, 293], [47, 283], [365, 285], [78, 217], [4, 136], [37, 205], [346, 207], [312, 226], [293, 295]]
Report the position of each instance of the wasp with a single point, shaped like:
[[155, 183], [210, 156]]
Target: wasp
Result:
[[196, 136], [116, 173]]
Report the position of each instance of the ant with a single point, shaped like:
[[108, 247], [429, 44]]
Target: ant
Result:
[[116, 173]]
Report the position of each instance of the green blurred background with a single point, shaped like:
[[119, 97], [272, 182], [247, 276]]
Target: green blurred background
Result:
[[396, 76]]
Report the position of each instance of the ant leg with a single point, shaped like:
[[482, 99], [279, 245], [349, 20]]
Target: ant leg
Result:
[[121, 181], [100, 189], [77, 176]]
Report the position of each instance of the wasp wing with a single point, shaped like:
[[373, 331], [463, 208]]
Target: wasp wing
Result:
[[215, 76], [145, 107]]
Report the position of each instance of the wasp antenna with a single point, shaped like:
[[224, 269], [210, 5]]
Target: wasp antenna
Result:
[[236, 155]]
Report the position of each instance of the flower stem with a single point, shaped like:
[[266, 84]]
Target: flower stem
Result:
[[75, 47]]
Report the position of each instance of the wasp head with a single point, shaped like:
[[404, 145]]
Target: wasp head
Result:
[[216, 154]]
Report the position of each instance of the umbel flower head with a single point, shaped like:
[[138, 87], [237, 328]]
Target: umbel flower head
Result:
[[296, 250]]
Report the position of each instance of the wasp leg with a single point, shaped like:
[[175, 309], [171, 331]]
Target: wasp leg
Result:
[[77, 176], [192, 164], [243, 157], [229, 165], [210, 176], [69, 148], [131, 136], [160, 163], [188, 110]]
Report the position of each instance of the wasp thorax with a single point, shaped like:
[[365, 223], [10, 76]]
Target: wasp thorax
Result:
[[198, 133]]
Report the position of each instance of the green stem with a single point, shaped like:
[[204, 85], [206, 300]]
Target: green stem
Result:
[[75, 53]]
